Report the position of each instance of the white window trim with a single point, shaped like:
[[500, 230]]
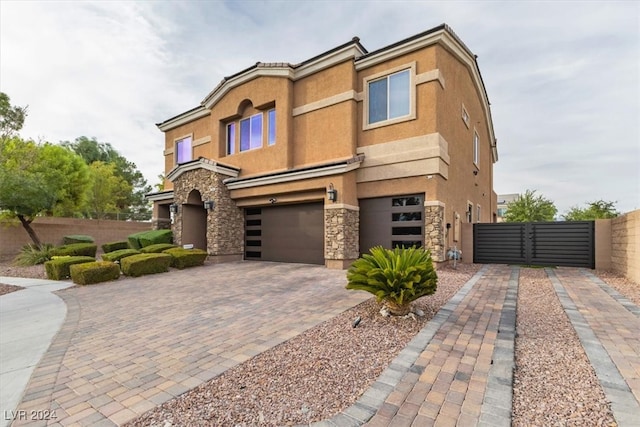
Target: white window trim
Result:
[[412, 96], [175, 147], [469, 212]]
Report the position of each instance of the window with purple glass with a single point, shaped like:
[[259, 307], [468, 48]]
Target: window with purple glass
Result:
[[183, 150]]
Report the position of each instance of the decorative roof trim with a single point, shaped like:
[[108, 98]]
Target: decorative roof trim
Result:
[[295, 175], [159, 196], [202, 163], [181, 119]]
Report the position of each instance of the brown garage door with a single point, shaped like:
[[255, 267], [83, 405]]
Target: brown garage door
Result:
[[391, 222], [288, 233]]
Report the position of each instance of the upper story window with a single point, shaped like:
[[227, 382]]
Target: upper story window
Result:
[[183, 150], [476, 143], [231, 138], [389, 97], [271, 130], [469, 212], [251, 132], [465, 116]]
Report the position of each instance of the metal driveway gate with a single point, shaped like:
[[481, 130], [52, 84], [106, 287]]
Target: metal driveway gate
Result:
[[569, 244]]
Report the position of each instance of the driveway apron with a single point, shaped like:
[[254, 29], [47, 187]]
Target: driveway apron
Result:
[[130, 345]]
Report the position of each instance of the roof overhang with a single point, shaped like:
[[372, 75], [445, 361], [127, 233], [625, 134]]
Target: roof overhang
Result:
[[202, 163], [295, 174], [160, 196]]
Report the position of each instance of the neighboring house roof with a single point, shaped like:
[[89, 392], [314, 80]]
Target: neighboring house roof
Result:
[[352, 50]]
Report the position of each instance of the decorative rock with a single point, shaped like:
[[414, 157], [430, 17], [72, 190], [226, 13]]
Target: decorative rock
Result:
[[418, 312], [384, 311], [357, 321]]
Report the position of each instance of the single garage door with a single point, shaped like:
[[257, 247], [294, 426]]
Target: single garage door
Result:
[[391, 222], [287, 233]]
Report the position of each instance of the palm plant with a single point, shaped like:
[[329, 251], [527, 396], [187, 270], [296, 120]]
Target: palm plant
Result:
[[396, 277]]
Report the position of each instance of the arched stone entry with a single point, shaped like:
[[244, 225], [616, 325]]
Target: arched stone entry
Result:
[[194, 221]]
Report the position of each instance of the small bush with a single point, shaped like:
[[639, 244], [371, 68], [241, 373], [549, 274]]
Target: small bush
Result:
[[141, 264], [119, 254], [157, 248], [183, 258], [146, 238], [94, 272], [76, 238], [115, 246], [58, 268], [76, 249], [397, 276], [33, 255]]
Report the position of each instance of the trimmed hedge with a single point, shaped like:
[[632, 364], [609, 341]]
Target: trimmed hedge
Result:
[[157, 248], [119, 254], [58, 268], [75, 249], [115, 246], [77, 238], [183, 258], [94, 272], [141, 264], [147, 238]]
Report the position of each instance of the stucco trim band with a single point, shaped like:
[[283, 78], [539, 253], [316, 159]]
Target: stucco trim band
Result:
[[326, 102], [293, 175], [342, 206]]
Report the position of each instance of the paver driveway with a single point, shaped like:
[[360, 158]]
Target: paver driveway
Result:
[[127, 346]]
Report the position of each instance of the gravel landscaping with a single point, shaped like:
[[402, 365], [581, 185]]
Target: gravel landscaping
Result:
[[324, 370]]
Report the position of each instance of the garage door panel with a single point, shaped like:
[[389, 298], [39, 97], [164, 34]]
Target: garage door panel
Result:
[[291, 233]]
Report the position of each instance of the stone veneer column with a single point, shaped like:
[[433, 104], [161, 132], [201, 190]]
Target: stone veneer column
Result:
[[434, 238], [225, 223], [341, 235]]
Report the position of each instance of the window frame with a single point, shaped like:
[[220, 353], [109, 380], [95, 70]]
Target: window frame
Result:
[[176, 151], [271, 126], [465, 116], [476, 148], [250, 119], [231, 139], [469, 212], [411, 115]]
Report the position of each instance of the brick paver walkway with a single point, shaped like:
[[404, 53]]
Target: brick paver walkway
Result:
[[608, 326], [131, 345], [464, 374]]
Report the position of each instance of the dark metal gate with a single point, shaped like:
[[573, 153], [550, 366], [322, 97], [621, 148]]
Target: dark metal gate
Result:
[[569, 244]]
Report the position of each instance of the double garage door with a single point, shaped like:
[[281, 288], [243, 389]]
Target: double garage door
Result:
[[287, 233], [391, 222]]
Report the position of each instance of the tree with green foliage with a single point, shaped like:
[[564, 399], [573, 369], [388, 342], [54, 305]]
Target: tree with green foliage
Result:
[[599, 209], [135, 204], [529, 207], [37, 179], [11, 117], [107, 191]]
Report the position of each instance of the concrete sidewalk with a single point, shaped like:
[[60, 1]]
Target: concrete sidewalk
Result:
[[29, 320]]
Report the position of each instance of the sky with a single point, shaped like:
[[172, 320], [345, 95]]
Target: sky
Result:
[[563, 78]]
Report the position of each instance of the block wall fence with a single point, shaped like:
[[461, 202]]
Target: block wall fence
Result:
[[52, 229]]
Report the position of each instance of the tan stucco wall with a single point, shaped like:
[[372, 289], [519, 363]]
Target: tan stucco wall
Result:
[[603, 244]]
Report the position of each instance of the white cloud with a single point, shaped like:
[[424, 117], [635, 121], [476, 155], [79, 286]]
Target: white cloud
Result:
[[563, 77]]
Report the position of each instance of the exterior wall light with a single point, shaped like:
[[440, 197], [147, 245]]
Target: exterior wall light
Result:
[[332, 193], [209, 205], [173, 208]]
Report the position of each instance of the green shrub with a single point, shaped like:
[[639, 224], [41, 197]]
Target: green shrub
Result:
[[76, 238], [33, 255], [146, 238], [183, 258], [397, 277], [94, 272], [115, 246], [76, 249], [141, 264], [119, 254], [157, 248], [58, 267]]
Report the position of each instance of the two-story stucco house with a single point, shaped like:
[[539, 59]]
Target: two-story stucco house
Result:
[[318, 162]]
